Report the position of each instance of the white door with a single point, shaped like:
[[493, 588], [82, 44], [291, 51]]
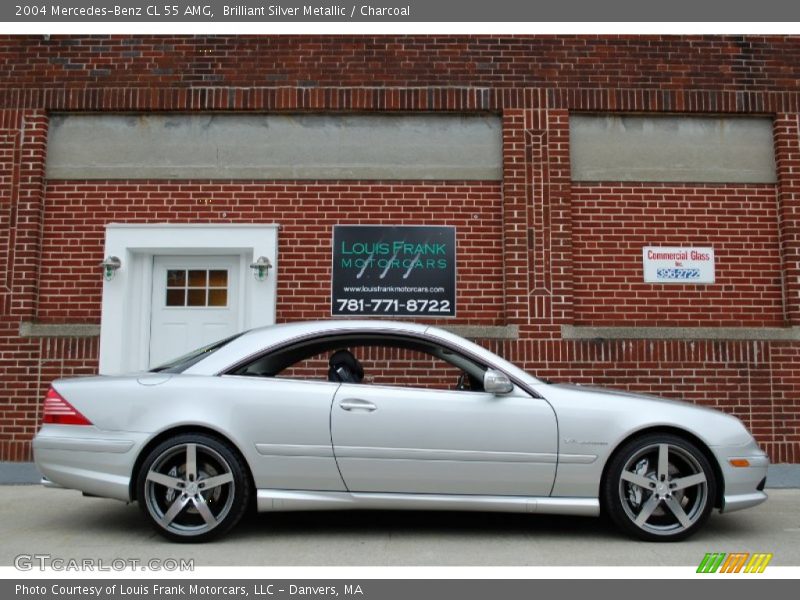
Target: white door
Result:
[[195, 302]]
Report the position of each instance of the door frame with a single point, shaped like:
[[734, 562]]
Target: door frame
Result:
[[126, 309]]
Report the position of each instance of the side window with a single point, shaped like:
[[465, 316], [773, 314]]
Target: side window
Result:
[[313, 368], [371, 360], [402, 367], [383, 365]]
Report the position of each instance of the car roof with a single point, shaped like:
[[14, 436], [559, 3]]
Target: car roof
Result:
[[289, 330], [256, 340]]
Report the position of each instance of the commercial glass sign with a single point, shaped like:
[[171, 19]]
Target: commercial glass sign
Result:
[[678, 265], [393, 270]]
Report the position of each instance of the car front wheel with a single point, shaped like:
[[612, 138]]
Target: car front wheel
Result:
[[193, 487], [659, 487]]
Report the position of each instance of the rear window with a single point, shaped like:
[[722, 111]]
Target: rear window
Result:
[[180, 364]]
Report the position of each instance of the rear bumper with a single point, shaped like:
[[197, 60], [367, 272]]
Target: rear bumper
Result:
[[87, 459]]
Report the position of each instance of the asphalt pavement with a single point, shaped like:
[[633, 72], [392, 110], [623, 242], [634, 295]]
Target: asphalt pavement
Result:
[[65, 525]]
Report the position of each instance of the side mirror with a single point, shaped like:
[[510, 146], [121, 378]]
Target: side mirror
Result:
[[496, 382]]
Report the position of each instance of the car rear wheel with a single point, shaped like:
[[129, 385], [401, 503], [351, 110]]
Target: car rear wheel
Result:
[[659, 487], [193, 488]]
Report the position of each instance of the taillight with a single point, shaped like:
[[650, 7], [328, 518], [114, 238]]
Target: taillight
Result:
[[59, 411]]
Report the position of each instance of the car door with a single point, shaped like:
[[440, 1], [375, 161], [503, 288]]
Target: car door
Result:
[[283, 426], [429, 441]]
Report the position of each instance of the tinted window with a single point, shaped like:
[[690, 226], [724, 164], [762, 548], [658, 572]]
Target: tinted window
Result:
[[180, 364], [386, 360]]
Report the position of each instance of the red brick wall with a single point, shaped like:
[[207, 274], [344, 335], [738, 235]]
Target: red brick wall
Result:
[[780, 403], [612, 222], [78, 211], [530, 269], [22, 150], [730, 63], [787, 151]]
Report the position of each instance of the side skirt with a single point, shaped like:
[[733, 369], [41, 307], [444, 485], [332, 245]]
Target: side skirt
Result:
[[289, 500]]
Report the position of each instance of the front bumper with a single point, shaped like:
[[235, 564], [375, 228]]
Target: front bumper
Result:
[[739, 501], [743, 485]]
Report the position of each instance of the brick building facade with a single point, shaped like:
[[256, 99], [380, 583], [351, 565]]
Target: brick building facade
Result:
[[550, 266]]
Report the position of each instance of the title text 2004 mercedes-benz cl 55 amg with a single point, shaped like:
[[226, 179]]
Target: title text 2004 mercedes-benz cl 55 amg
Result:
[[287, 418]]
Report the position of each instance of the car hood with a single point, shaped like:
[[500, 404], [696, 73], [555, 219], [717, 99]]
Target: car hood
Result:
[[640, 411], [604, 391], [626, 397]]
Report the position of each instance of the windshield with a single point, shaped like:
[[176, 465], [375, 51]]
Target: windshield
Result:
[[180, 364]]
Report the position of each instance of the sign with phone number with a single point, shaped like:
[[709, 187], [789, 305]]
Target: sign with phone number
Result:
[[393, 271], [677, 264]]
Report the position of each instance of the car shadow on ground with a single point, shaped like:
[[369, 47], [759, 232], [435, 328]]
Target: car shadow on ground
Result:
[[366, 522], [126, 522], [128, 519], [435, 523]]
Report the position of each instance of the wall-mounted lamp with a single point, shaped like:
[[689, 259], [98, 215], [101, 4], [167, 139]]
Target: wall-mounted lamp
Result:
[[260, 268], [110, 266]]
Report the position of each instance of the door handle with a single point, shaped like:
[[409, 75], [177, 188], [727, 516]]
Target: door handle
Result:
[[357, 404]]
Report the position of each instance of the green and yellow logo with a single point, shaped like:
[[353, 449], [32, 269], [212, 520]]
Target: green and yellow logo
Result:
[[735, 562]]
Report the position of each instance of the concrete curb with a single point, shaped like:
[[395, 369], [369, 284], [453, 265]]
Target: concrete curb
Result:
[[779, 476], [14, 473], [783, 476]]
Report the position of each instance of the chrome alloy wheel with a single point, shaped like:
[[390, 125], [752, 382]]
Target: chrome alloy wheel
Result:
[[663, 489], [189, 489]]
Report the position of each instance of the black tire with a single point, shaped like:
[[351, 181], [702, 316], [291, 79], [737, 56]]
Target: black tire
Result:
[[198, 504], [659, 487]]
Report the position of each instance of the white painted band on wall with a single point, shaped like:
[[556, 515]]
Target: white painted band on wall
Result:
[[268, 147], [672, 149]]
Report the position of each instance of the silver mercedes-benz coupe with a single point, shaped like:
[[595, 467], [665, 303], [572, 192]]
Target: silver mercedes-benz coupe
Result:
[[288, 418]]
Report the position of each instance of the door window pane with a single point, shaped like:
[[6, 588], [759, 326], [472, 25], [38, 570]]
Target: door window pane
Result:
[[197, 287], [176, 297], [196, 298], [218, 297], [197, 278], [218, 278], [176, 278]]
